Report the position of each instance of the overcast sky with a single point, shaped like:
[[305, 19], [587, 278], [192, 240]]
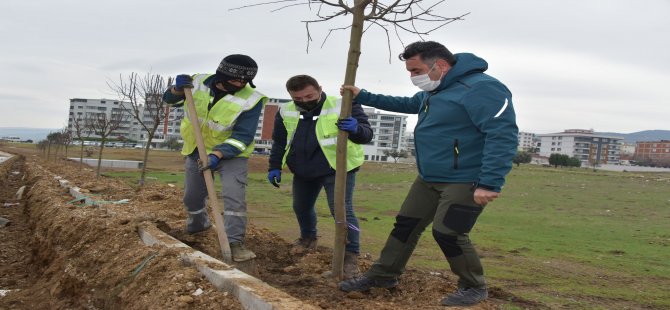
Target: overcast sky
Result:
[[569, 64]]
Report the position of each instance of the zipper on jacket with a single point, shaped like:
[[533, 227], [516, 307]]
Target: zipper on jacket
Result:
[[455, 153]]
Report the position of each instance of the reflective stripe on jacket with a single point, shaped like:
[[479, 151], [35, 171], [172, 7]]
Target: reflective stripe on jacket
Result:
[[216, 124], [326, 132]]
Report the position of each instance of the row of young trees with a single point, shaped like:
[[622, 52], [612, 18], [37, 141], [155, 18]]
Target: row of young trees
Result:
[[141, 101]]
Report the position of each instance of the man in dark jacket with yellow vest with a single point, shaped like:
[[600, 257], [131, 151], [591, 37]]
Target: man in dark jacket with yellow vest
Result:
[[465, 139], [228, 108], [305, 139]]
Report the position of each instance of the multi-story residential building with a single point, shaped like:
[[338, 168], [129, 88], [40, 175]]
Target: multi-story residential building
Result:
[[589, 147], [408, 143], [81, 109], [388, 130], [628, 151], [526, 141], [653, 152], [266, 124]]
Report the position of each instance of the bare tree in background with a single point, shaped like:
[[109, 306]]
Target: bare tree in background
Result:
[[80, 131], [42, 145], [407, 16], [104, 126], [66, 138], [55, 139], [142, 97]]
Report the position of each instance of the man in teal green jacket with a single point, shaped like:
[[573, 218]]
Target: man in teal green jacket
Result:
[[465, 139]]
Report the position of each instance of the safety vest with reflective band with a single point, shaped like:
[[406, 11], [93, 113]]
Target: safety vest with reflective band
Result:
[[326, 132], [217, 124]]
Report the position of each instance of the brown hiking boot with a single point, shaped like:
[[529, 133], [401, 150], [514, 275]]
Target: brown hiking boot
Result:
[[350, 265], [307, 243], [240, 253]]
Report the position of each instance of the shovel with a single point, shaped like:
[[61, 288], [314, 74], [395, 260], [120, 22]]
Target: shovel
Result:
[[209, 181]]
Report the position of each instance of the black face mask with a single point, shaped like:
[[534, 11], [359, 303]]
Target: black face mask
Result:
[[307, 105], [230, 87]]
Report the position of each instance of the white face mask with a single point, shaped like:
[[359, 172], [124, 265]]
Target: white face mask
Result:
[[424, 82]]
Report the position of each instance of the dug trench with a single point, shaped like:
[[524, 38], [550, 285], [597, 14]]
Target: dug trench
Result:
[[62, 253]]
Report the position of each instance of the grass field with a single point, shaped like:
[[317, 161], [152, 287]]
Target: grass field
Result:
[[565, 238]]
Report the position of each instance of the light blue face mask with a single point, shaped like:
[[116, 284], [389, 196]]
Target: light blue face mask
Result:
[[424, 82]]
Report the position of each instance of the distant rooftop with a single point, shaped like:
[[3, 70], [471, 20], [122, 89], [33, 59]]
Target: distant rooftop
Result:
[[579, 132]]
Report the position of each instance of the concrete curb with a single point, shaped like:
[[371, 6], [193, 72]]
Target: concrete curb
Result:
[[251, 292]]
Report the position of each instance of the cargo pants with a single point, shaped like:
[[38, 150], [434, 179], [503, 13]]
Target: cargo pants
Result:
[[452, 210], [233, 174]]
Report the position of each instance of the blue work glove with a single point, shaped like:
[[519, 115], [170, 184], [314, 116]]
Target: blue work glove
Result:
[[274, 177], [183, 80], [212, 162], [348, 124]]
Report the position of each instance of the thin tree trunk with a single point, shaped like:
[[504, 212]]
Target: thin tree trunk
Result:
[[102, 146], [81, 155], [342, 138], [146, 158]]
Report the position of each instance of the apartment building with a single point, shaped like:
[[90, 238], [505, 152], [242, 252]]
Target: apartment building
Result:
[[389, 129], [653, 152], [526, 141], [266, 124], [81, 109], [589, 147]]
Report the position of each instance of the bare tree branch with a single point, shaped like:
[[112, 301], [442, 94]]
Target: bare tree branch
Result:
[[142, 98]]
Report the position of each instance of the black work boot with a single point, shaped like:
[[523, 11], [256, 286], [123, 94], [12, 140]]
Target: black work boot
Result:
[[465, 297], [364, 283]]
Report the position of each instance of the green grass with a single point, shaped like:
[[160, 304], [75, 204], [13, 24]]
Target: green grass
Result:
[[566, 238]]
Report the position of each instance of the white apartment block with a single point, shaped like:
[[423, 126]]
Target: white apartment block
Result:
[[408, 143], [389, 131], [526, 141], [83, 108], [589, 147]]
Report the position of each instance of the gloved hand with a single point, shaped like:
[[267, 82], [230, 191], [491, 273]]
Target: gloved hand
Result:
[[274, 177], [183, 80], [212, 162], [348, 124]]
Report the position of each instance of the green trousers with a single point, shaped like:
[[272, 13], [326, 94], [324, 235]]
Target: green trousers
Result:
[[452, 210]]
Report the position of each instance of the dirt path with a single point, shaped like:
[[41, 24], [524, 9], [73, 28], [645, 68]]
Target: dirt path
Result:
[[58, 253]]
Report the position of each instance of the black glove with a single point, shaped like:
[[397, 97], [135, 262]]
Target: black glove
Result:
[[183, 80]]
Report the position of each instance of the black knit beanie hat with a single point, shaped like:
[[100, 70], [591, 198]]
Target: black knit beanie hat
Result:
[[237, 67]]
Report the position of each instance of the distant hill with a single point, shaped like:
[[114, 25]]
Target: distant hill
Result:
[[645, 135], [35, 134]]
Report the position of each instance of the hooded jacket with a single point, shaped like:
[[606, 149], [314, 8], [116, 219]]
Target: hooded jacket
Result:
[[466, 130]]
